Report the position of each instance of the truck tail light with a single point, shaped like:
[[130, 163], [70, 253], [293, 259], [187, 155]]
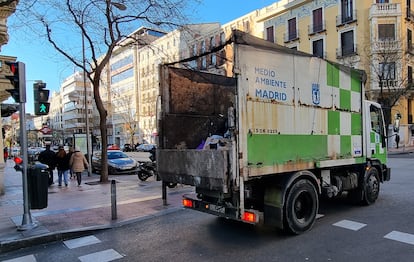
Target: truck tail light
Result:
[[249, 217], [187, 203]]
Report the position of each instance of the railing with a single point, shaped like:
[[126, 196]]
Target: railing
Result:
[[346, 19], [291, 36], [316, 28], [346, 51], [385, 9], [386, 45], [409, 14]]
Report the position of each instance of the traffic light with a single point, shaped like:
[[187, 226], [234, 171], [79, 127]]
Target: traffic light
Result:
[[41, 98], [18, 80]]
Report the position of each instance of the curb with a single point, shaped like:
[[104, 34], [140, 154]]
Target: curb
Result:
[[11, 245]]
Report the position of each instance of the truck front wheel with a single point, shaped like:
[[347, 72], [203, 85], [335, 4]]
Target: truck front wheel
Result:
[[301, 207], [371, 186], [368, 191]]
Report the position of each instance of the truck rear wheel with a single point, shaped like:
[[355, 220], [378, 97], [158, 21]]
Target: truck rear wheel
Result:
[[301, 207]]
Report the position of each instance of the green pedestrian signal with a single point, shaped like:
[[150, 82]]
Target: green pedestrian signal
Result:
[[41, 108], [41, 97]]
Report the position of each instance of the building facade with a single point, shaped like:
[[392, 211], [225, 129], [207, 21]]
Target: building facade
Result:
[[7, 8], [374, 36], [67, 114]]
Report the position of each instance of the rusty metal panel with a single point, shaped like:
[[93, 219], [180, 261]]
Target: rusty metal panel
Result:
[[206, 169], [194, 107], [199, 93]]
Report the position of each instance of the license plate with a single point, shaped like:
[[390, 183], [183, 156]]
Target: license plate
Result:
[[218, 209]]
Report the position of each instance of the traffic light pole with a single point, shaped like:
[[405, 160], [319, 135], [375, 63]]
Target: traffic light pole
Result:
[[27, 222]]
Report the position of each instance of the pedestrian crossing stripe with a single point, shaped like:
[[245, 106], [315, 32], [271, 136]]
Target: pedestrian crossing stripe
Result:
[[351, 225], [101, 256], [401, 237], [81, 241]]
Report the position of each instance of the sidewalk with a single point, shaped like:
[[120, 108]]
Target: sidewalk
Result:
[[401, 150], [74, 211]]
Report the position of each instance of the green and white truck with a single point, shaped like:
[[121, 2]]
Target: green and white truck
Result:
[[264, 145]]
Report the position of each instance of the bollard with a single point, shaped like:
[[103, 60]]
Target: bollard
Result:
[[113, 199], [164, 193]]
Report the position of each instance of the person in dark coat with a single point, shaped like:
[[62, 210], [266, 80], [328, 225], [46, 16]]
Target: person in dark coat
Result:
[[62, 165], [48, 157]]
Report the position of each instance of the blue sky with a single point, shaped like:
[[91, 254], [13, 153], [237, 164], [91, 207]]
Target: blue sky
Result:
[[43, 63]]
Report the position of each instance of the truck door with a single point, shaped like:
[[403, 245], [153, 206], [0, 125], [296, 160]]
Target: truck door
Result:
[[377, 134]]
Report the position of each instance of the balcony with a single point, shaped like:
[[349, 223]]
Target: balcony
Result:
[[316, 28], [346, 19], [291, 36], [387, 46], [346, 51], [385, 10]]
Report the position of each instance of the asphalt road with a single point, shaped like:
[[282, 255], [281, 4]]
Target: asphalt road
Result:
[[381, 232]]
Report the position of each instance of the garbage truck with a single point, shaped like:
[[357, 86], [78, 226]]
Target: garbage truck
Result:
[[264, 143]]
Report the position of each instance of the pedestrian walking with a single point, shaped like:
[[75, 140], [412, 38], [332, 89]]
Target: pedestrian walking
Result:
[[397, 139], [5, 154], [70, 153], [48, 157], [62, 165], [78, 163]]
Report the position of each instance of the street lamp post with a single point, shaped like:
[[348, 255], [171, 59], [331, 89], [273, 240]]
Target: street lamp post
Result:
[[88, 147], [121, 7]]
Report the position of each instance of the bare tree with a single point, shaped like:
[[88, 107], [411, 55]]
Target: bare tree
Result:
[[386, 63], [102, 25]]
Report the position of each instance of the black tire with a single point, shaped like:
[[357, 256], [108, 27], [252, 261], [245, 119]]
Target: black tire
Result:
[[371, 186], [142, 176], [367, 192], [171, 185], [300, 208]]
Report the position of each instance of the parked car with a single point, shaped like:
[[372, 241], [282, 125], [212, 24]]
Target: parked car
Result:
[[128, 148], [113, 147], [118, 163], [33, 153], [145, 147]]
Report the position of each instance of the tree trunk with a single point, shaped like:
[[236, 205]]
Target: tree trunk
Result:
[[102, 127]]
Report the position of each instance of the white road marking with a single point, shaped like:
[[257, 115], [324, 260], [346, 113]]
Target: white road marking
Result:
[[82, 241], [401, 237], [28, 258], [351, 225], [102, 256]]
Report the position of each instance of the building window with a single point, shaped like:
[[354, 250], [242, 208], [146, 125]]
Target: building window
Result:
[[410, 75], [212, 42], [347, 10], [317, 47], [409, 40], [270, 35], [222, 37], [347, 43], [292, 31], [382, 1], [204, 62], [386, 32], [213, 59], [203, 47], [246, 26], [387, 71], [317, 20]]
